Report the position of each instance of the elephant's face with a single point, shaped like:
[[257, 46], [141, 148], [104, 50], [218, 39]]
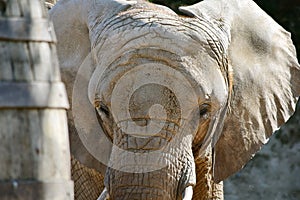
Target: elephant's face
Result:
[[153, 103], [162, 86]]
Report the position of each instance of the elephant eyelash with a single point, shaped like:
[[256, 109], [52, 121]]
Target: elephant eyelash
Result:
[[103, 108], [204, 109]]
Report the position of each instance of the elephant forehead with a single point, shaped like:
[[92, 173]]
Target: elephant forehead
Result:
[[153, 28], [134, 38]]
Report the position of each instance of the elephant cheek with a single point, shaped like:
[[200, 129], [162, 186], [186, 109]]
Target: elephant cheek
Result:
[[200, 135]]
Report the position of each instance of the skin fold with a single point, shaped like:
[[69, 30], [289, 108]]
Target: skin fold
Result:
[[166, 106]]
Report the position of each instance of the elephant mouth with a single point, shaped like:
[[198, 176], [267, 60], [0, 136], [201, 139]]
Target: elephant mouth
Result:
[[144, 135]]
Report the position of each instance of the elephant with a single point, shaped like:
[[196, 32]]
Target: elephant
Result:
[[167, 105]]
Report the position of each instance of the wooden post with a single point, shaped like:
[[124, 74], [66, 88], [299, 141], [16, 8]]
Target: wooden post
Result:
[[34, 145]]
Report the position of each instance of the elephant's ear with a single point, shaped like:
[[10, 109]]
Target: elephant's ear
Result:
[[266, 79], [72, 34], [73, 22]]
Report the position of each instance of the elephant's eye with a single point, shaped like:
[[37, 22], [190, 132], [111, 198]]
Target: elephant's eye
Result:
[[204, 109], [104, 109], [100, 106]]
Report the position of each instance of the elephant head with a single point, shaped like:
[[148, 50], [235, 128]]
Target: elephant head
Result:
[[154, 92]]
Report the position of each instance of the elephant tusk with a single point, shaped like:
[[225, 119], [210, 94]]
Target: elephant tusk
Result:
[[187, 193], [104, 195]]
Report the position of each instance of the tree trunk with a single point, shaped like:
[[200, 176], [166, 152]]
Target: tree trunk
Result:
[[34, 145]]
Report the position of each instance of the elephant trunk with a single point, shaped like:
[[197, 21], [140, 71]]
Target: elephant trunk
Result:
[[138, 186], [154, 167]]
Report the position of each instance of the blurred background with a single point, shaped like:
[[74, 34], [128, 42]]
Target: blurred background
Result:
[[274, 173]]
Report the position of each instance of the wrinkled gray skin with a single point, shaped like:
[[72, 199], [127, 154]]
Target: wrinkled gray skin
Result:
[[226, 63]]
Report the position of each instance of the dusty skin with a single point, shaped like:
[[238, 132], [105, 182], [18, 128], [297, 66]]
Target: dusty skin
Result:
[[168, 102]]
